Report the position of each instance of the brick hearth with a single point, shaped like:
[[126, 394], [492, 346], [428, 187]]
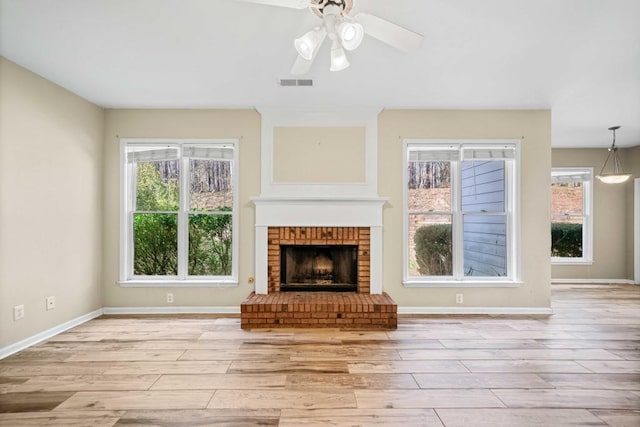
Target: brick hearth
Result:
[[349, 310]]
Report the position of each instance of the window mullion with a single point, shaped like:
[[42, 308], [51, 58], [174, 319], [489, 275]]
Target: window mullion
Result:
[[131, 207], [183, 219], [457, 219]]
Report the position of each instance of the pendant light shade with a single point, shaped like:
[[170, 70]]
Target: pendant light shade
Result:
[[617, 174]]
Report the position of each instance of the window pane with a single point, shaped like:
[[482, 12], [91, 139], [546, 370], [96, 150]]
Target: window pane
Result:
[[566, 237], [485, 245], [429, 186], [157, 186], [155, 244], [211, 185], [430, 245], [483, 185], [210, 245], [567, 198]]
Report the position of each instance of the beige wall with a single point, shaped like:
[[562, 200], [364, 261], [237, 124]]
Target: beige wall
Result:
[[532, 125], [243, 125], [610, 231], [50, 203], [631, 161], [319, 155]]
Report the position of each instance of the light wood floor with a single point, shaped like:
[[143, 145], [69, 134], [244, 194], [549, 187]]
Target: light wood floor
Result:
[[579, 367]]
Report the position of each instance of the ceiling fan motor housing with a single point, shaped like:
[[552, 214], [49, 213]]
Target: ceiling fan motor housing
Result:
[[317, 6]]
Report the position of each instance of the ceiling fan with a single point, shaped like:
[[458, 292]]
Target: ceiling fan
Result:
[[345, 32]]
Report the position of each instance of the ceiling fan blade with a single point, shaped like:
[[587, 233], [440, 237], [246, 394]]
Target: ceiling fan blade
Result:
[[389, 33], [301, 65], [293, 4]]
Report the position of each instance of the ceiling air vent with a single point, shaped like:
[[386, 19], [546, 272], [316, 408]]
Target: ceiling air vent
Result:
[[296, 82]]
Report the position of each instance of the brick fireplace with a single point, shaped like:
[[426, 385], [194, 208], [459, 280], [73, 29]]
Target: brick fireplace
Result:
[[319, 180], [324, 223]]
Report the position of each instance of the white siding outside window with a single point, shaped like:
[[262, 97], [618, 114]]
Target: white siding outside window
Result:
[[460, 213]]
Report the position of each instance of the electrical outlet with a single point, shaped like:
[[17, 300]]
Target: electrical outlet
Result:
[[18, 312], [169, 298], [51, 303], [459, 299]]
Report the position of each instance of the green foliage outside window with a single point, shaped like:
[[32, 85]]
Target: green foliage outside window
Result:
[[433, 248], [566, 240], [155, 235]]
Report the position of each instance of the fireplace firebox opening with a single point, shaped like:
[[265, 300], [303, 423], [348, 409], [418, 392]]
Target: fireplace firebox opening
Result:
[[319, 268]]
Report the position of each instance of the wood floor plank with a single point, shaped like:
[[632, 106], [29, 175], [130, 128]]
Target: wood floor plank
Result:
[[563, 354], [612, 366], [359, 417], [61, 418], [220, 381], [348, 354], [117, 356], [282, 399], [33, 401], [180, 367], [66, 368], [604, 344], [215, 354], [84, 383], [618, 418], [118, 400], [486, 380], [201, 417], [569, 398], [440, 398], [455, 354], [350, 381], [531, 366], [594, 381], [491, 344], [288, 367], [407, 367], [509, 417]]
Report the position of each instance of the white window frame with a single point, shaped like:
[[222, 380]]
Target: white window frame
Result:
[[587, 218], [512, 211], [126, 276]]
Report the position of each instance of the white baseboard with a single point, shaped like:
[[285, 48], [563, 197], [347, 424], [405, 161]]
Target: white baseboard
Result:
[[45, 335], [592, 281], [171, 310], [476, 310]]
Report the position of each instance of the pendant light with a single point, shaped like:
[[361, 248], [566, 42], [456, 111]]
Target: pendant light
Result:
[[617, 175]]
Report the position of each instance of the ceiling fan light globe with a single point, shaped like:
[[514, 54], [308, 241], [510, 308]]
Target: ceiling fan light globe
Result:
[[307, 45], [339, 60], [351, 34]]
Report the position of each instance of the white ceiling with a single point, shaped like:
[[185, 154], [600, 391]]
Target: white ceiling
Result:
[[579, 58]]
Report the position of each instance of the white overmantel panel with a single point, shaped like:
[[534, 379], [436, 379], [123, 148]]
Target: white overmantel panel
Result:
[[319, 117]]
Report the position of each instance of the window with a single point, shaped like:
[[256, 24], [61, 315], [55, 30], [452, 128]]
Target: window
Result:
[[178, 212], [571, 206], [460, 212]]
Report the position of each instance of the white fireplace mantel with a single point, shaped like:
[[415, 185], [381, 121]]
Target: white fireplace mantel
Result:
[[318, 212]]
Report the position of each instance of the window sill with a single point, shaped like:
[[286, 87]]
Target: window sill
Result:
[[172, 283], [461, 284], [569, 261]]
